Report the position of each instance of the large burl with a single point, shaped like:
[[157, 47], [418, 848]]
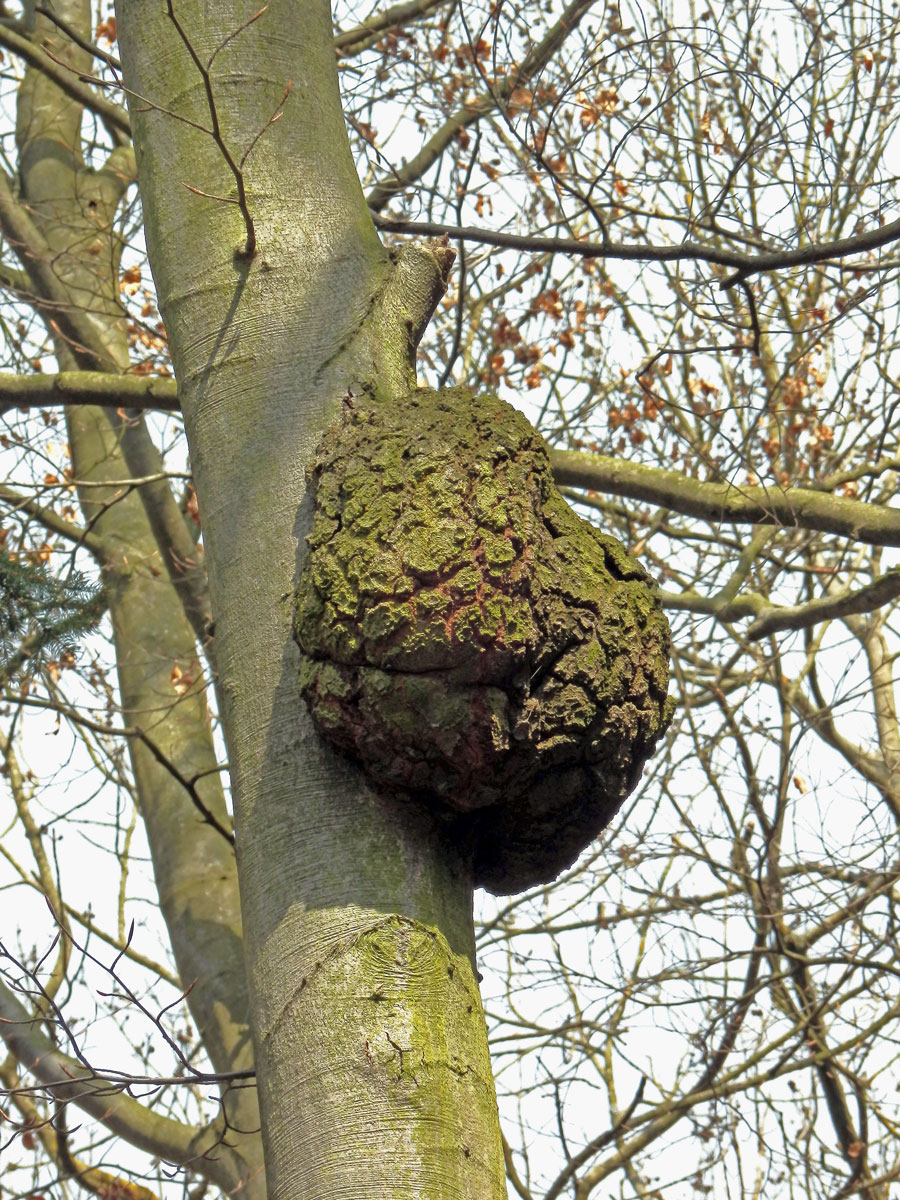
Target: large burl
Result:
[[468, 639]]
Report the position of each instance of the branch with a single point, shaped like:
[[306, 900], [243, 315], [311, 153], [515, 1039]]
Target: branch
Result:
[[747, 605], [828, 1068], [74, 326], [189, 783], [97, 388], [74, 36], [726, 605], [511, 1173], [68, 1080], [180, 553], [236, 168], [182, 557], [471, 114], [744, 265], [876, 594], [821, 722], [774, 618], [56, 524], [113, 116], [596, 1144], [360, 37], [51, 298], [15, 280], [792, 508], [672, 1109], [125, 949], [93, 1179], [417, 284]]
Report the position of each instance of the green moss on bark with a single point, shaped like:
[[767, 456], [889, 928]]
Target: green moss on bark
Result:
[[410, 1062], [468, 638]]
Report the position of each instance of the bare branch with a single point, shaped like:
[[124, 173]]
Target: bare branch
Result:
[[745, 265], [596, 1144], [471, 114], [68, 80], [93, 1179], [773, 619], [360, 37], [50, 295], [182, 557], [98, 388], [74, 36], [249, 248], [54, 523], [68, 1080], [792, 508], [189, 783]]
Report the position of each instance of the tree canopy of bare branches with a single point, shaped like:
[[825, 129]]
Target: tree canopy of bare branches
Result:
[[676, 232]]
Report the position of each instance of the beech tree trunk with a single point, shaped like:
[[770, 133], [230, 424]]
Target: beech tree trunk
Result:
[[66, 216], [371, 1049]]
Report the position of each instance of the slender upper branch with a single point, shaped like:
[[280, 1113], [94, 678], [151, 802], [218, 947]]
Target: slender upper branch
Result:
[[92, 1179], [114, 117], [774, 618], [471, 113], [360, 37], [56, 524], [744, 265]]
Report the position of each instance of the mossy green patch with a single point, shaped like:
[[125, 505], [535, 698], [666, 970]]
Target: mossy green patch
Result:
[[498, 656]]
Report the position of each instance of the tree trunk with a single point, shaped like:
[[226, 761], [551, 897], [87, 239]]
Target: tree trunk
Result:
[[73, 208], [371, 1049]]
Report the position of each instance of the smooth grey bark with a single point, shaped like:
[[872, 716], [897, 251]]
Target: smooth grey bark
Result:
[[371, 1048]]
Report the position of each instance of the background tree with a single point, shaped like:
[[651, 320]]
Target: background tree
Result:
[[678, 252]]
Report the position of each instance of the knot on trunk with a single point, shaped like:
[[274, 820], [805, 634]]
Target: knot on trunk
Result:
[[470, 640]]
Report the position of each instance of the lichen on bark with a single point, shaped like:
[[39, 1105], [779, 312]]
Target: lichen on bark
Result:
[[470, 640]]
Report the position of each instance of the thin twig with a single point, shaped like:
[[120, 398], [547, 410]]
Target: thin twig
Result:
[[74, 36], [277, 114], [596, 1144], [249, 248], [134, 731]]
